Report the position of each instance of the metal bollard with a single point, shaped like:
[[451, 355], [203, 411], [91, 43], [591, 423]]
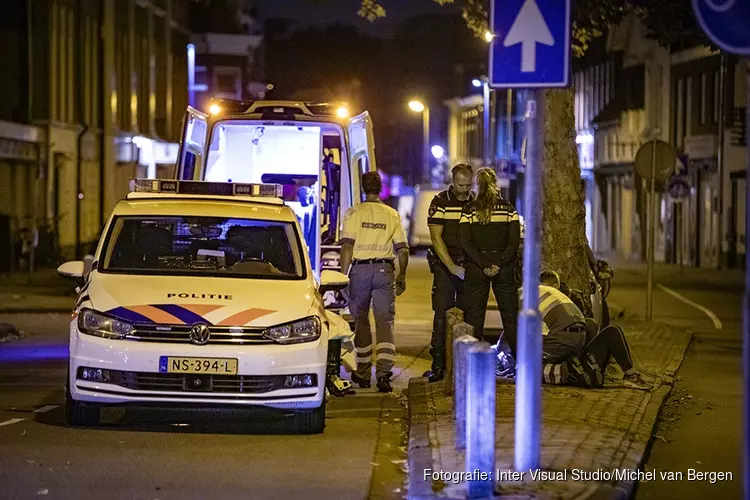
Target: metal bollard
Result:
[[453, 317], [461, 351], [480, 413]]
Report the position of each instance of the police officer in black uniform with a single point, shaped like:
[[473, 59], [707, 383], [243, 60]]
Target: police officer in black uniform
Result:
[[490, 234], [446, 259]]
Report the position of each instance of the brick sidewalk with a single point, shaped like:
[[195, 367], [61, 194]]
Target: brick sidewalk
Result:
[[585, 429]]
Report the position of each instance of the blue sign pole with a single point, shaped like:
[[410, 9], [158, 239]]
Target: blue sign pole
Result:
[[528, 436], [530, 49]]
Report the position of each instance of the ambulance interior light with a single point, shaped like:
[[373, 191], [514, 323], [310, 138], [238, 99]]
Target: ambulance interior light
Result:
[[206, 188]]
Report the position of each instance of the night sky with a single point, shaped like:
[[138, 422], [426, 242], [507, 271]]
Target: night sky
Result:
[[323, 12]]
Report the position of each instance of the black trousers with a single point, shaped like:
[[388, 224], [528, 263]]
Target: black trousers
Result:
[[447, 292], [505, 287], [610, 343]]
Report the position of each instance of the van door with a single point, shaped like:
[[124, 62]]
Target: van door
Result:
[[192, 152], [361, 152]]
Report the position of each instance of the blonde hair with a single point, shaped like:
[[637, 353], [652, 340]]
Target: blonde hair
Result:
[[486, 195]]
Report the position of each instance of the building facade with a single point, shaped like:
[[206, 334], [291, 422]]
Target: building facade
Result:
[[226, 59], [97, 91], [692, 98]]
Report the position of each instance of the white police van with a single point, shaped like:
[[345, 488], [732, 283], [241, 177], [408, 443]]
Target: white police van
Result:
[[201, 293]]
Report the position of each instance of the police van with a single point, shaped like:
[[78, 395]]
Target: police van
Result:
[[201, 293]]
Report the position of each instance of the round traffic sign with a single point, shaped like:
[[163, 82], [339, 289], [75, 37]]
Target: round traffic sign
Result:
[[665, 160]]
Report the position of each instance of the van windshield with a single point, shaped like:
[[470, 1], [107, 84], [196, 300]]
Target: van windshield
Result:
[[203, 246]]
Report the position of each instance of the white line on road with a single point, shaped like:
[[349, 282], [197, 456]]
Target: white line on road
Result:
[[707, 312], [12, 421], [45, 409]]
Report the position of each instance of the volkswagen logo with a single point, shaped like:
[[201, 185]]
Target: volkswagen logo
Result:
[[200, 334]]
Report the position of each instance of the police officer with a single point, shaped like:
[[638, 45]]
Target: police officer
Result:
[[372, 231], [446, 259], [490, 234]]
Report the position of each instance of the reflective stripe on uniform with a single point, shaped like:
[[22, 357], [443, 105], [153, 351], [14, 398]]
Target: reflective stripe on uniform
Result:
[[383, 346], [364, 349], [389, 357]]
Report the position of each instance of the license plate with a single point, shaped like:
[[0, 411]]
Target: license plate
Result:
[[209, 366]]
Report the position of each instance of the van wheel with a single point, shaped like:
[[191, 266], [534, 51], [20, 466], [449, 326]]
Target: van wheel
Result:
[[311, 422], [78, 414]]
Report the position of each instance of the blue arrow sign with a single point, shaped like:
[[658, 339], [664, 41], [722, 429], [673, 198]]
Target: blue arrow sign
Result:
[[531, 43], [726, 23]]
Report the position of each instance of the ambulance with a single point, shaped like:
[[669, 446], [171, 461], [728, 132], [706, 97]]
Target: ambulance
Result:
[[202, 293], [314, 150]]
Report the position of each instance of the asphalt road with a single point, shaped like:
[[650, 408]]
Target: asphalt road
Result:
[[208, 454], [700, 426]]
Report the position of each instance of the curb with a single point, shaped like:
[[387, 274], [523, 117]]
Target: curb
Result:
[[419, 452]]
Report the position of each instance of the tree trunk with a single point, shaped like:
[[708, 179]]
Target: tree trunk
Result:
[[563, 211]]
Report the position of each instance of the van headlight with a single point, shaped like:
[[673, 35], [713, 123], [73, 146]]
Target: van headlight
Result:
[[94, 323], [304, 330]]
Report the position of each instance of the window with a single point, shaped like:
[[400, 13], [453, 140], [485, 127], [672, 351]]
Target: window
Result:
[[704, 97], [203, 246], [607, 81], [227, 82]]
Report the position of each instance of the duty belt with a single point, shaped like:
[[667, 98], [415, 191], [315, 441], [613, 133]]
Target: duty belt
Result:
[[372, 261], [575, 329]]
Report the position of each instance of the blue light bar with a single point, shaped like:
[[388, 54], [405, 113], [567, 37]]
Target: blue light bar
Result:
[[206, 188]]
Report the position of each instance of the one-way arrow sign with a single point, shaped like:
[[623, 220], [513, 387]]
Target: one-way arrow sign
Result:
[[528, 29], [531, 44]]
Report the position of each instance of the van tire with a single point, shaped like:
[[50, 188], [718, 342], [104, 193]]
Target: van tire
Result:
[[311, 422]]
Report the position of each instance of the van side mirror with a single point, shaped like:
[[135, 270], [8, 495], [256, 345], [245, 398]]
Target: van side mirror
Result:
[[332, 281]]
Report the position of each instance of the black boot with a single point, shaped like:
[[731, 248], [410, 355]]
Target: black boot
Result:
[[384, 384], [436, 375], [437, 372]]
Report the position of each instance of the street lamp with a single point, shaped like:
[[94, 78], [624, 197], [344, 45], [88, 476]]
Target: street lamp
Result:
[[484, 82], [420, 107], [488, 36], [416, 106], [437, 152]]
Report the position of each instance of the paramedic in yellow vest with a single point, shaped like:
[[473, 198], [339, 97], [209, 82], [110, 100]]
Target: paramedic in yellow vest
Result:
[[372, 233]]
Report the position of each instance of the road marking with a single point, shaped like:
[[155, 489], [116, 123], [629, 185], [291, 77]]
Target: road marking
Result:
[[45, 409], [12, 421], [707, 312]]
